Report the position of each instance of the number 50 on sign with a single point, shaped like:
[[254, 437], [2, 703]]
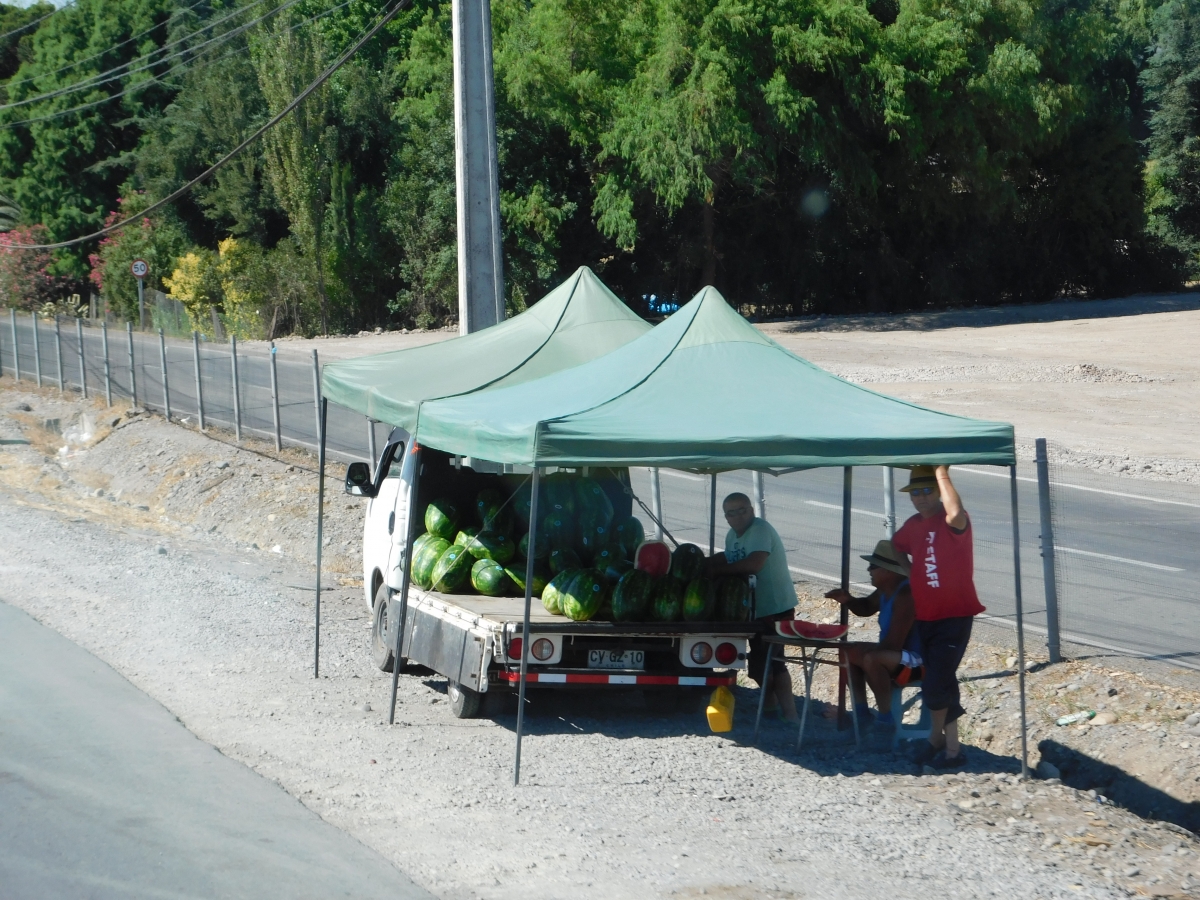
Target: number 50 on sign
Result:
[[140, 268]]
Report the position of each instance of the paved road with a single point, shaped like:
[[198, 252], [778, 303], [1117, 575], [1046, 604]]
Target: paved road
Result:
[[1127, 555], [103, 794]]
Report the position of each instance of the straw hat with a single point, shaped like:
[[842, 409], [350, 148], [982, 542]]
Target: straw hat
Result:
[[919, 477], [888, 557]]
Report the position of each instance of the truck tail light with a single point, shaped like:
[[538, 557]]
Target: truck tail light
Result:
[[726, 653], [701, 652], [542, 649], [514, 649]]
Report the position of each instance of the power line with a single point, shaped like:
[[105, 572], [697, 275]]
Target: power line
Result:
[[99, 79], [224, 160], [79, 62], [160, 79], [9, 34]]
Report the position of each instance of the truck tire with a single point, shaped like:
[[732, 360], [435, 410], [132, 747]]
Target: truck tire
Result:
[[381, 641], [464, 702]]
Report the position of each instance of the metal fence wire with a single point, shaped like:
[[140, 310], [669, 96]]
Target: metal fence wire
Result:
[[1124, 554], [1124, 547]]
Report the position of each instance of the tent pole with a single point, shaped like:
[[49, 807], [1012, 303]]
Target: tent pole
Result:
[[1016, 529], [844, 617], [320, 527], [712, 518], [405, 579], [533, 509]]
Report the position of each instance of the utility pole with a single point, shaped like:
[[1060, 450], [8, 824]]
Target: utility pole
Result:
[[480, 264]]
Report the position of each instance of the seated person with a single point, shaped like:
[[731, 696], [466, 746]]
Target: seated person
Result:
[[897, 653]]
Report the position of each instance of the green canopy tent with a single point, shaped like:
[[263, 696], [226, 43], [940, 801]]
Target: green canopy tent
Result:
[[705, 391], [578, 321]]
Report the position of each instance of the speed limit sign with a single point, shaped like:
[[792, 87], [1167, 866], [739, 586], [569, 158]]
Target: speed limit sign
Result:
[[140, 268]]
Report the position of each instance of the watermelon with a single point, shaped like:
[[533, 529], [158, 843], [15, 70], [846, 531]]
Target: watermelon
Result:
[[492, 510], [489, 578], [653, 557], [591, 503], [517, 574], [667, 603], [563, 559], [452, 571], [700, 601], [629, 535], [420, 542], [553, 592], [593, 539], [606, 556], [584, 596], [441, 519], [631, 596], [466, 535], [491, 545], [541, 547], [616, 570], [687, 563], [559, 530], [558, 493], [425, 559], [522, 500], [733, 599]]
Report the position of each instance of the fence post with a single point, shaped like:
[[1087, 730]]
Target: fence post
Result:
[[162, 355], [321, 423], [1048, 573], [199, 386], [37, 350], [237, 403], [656, 503], [107, 368], [82, 366], [889, 501], [132, 365], [760, 495], [12, 318], [275, 399], [58, 353]]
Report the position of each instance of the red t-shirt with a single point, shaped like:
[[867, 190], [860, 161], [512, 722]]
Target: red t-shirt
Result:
[[943, 568]]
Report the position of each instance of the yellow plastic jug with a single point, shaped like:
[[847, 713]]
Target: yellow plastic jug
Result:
[[720, 710]]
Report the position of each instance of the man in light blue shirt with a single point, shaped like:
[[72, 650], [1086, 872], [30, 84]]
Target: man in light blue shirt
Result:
[[752, 547]]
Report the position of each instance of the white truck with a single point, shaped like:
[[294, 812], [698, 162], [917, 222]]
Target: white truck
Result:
[[475, 641]]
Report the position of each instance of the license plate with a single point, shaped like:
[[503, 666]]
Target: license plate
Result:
[[616, 659]]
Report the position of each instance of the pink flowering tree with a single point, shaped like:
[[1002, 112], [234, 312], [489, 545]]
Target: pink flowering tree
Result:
[[25, 279]]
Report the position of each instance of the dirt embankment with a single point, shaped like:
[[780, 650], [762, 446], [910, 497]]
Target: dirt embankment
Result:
[[183, 550]]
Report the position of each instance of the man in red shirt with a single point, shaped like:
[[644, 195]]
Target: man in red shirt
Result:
[[939, 540]]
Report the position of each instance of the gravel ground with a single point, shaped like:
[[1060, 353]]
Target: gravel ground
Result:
[[181, 556]]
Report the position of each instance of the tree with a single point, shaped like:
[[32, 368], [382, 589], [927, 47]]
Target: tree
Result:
[[300, 151], [1172, 83]]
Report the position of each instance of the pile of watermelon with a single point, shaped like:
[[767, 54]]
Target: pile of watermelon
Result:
[[583, 565], [487, 550]]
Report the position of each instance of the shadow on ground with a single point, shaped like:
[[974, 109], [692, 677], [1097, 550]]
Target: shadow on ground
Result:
[[1086, 773]]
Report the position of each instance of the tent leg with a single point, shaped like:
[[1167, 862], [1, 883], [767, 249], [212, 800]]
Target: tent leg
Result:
[[410, 527], [320, 535], [1016, 530], [533, 509], [844, 619], [712, 517]]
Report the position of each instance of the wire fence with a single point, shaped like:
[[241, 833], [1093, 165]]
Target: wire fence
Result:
[[1124, 548], [1125, 556]]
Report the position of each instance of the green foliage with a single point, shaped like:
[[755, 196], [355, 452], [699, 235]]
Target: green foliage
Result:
[[158, 241], [15, 49], [803, 155], [1172, 83]]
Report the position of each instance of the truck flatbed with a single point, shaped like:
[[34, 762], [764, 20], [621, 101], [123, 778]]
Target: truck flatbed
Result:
[[500, 611]]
